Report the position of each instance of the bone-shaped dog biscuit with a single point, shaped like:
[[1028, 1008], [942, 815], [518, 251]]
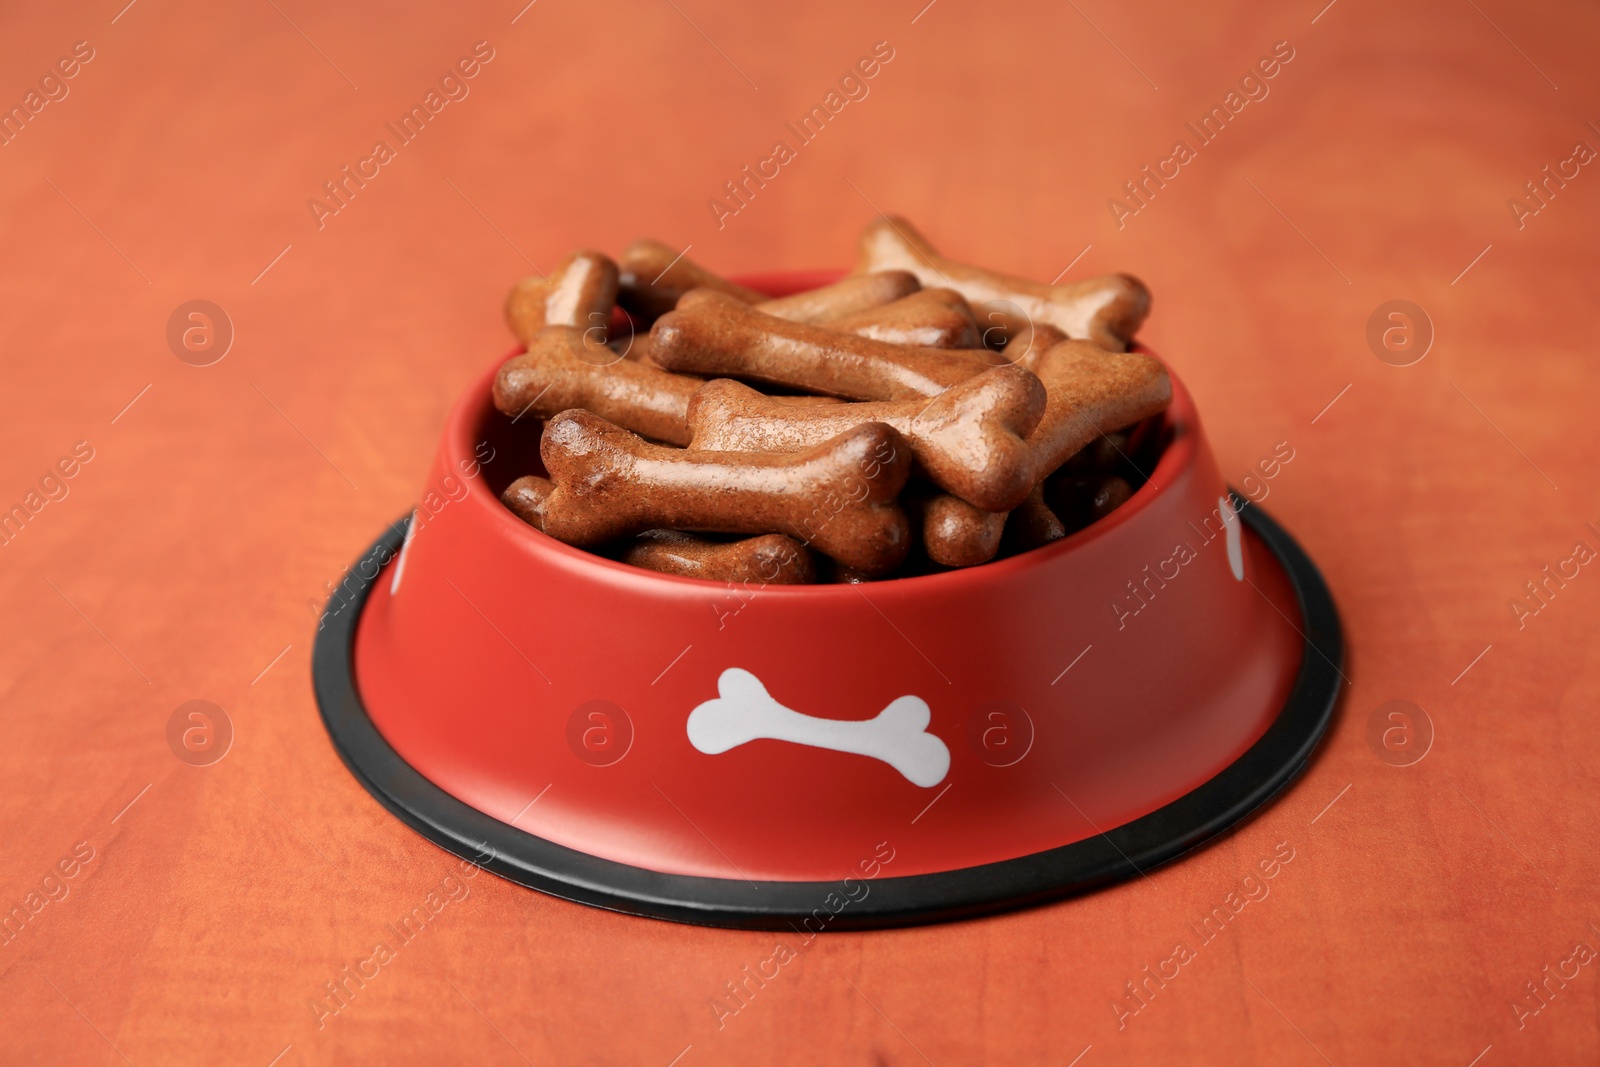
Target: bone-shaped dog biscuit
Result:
[[838, 496], [852, 295], [930, 318], [1027, 346], [715, 335], [1092, 392], [564, 369], [654, 275], [1107, 310], [636, 349], [744, 711], [956, 534], [580, 291], [1031, 525], [526, 498], [969, 439], [770, 559]]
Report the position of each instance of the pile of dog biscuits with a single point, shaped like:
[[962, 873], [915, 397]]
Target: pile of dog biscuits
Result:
[[918, 415]]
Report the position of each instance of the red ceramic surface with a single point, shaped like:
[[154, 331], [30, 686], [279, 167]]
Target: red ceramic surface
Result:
[[1074, 688]]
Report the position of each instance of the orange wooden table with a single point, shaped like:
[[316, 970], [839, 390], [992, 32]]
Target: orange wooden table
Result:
[[172, 913]]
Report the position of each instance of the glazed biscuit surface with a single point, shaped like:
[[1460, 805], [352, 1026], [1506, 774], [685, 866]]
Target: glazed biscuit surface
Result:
[[1107, 310], [653, 276], [714, 335], [526, 498], [769, 559], [565, 369], [968, 439], [580, 291], [839, 496], [1091, 393], [929, 318], [851, 295], [956, 534], [1027, 346]]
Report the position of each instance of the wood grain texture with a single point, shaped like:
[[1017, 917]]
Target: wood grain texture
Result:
[[189, 552]]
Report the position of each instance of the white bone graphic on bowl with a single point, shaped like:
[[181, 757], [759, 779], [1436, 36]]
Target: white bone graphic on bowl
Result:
[[1235, 539], [744, 711]]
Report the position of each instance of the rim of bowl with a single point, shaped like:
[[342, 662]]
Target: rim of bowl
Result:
[[470, 416]]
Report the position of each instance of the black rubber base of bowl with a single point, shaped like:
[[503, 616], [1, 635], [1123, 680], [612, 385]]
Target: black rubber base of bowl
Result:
[[1119, 853]]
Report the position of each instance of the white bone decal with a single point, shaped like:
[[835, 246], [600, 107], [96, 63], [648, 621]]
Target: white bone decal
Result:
[[1235, 538], [745, 711]]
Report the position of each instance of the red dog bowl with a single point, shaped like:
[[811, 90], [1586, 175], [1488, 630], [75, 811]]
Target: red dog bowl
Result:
[[830, 756]]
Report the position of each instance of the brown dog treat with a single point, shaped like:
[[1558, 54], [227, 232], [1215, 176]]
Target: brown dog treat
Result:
[[1082, 501], [563, 369], [636, 349], [801, 400], [1112, 494], [931, 318], [1107, 310], [969, 439], [580, 292], [1026, 346], [848, 296], [957, 534], [526, 497], [1091, 393], [1032, 524], [716, 335], [771, 559], [838, 497], [525, 305], [655, 275]]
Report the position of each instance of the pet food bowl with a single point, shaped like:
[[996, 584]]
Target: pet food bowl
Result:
[[1041, 725]]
